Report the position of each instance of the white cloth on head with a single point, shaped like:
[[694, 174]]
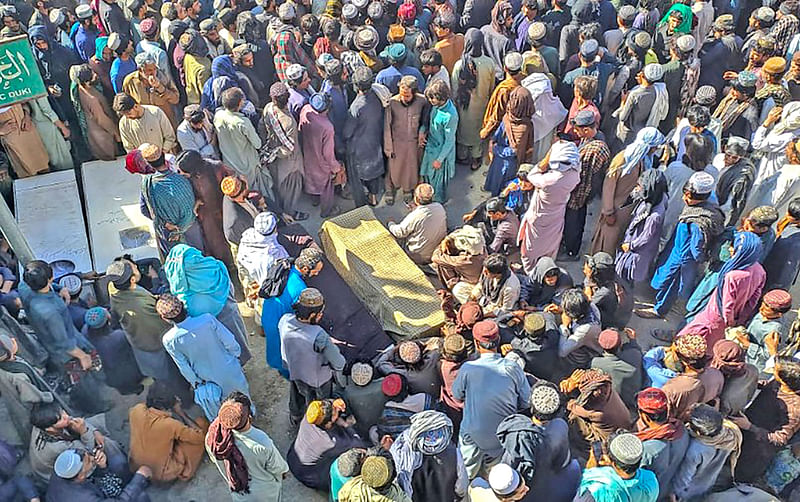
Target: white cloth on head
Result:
[[257, 253], [468, 239], [549, 110], [564, 156]]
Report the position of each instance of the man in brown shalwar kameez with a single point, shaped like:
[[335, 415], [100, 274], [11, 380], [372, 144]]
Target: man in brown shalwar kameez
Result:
[[401, 128], [620, 180], [22, 142]]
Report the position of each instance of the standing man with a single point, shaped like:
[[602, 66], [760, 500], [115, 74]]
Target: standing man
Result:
[[321, 170], [203, 349], [66, 347], [86, 33], [401, 139], [309, 354], [300, 89], [140, 124], [148, 86], [308, 264], [439, 160], [168, 200], [496, 109], [245, 456], [363, 133], [239, 142], [491, 389], [595, 158], [699, 225], [196, 133], [150, 45]]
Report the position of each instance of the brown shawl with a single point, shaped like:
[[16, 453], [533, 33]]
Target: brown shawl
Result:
[[517, 122]]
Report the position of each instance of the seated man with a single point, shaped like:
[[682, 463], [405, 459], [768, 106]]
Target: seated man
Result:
[[76, 306], [595, 408], [698, 382], [504, 484], [618, 476], [325, 433], [419, 364], [458, 261], [83, 477], [400, 406], [499, 223], [423, 228], [119, 364], [536, 340], [364, 396], [54, 431], [498, 289], [544, 285], [164, 438], [503, 227]]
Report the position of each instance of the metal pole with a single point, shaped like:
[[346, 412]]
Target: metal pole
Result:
[[12, 234]]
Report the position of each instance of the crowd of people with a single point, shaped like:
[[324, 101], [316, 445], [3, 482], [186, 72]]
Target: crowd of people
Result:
[[679, 121]]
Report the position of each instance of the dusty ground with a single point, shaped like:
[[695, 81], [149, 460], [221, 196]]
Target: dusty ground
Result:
[[270, 391]]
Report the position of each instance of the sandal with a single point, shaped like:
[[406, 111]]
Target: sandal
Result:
[[390, 198], [372, 200]]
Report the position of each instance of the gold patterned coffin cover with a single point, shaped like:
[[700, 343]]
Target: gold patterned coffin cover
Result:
[[377, 269]]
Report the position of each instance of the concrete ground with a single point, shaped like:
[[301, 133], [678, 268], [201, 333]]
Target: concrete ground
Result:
[[270, 391]]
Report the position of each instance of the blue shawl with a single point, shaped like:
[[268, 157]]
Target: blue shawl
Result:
[[201, 282]]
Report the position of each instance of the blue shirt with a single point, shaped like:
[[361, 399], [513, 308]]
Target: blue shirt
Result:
[[653, 364], [605, 485], [390, 77], [338, 111], [119, 70], [689, 242], [204, 350], [85, 43], [50, 319], [491, 389]]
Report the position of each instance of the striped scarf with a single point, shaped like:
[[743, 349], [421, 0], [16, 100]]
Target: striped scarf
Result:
[[729, 110]]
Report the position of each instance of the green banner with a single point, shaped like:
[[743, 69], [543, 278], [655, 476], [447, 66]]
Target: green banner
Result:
[[19, 75]]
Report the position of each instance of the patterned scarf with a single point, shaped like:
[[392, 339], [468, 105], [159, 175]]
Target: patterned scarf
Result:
[[429, 434], [730, 109], [276, 131], [777, 92], [708, 217]]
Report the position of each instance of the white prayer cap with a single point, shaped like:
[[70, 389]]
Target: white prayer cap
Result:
[[503, 479], [653, 72]]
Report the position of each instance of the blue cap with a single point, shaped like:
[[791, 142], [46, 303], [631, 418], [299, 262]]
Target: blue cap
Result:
[[96, 317], [68, 464], [320, 102]]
